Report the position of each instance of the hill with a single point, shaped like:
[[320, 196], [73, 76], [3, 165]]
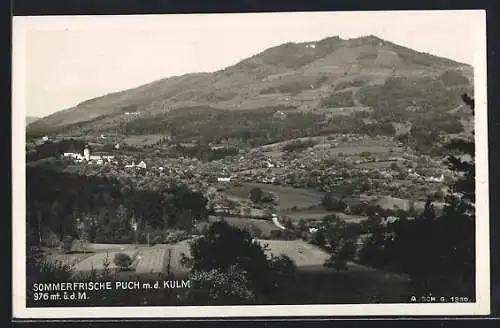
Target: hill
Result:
[[287, 86], [31, 119]]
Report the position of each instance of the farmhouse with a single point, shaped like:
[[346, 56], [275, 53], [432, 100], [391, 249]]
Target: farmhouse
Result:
[[72, 155], [435, 179]]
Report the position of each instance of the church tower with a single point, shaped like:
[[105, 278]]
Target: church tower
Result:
[[86, 153]]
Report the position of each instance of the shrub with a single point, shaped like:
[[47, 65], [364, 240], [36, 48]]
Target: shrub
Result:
[[51, 239], [176, 236], [66, 244], [122, 260], [219, 287], [79, 245], [339, 99]]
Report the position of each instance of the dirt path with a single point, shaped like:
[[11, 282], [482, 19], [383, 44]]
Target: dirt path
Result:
[[277, 222]]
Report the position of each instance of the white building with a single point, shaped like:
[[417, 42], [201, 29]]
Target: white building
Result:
[[436, 179], [223, 179], [130, 165], [86, 153], [71, 155], [141, 165], [117, 146]]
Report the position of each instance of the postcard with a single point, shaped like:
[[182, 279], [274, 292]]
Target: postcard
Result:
[[305, 164]]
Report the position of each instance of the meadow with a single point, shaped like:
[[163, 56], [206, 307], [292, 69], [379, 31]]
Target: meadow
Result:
[[288, 196]]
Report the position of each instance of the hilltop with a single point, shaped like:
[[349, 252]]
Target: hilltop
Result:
[[307, 82]]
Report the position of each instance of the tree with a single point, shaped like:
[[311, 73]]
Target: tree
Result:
[[219, 287], [463, 189], [439, 253], [223, 246], [67, 243], [256, 195], [284, 271], [122, 260], [343, 253], [429, 213], [318, 238], [331, 203]]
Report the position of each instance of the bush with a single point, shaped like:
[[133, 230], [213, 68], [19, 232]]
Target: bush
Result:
[[79, 245], [122, 260], [219, 287], [298, 145], [51, 239], [176, 236], [331, 203], [66, 244], [339, 99]]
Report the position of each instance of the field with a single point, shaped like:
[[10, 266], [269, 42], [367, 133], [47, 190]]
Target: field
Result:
[[303, 254], [95, 262], [319, 215], [141, 140], [376, 165], [151, 260], [147, 260], [265, 226], [355, 149], [389, 202], [68, 259], [310, 257], [288, 196]]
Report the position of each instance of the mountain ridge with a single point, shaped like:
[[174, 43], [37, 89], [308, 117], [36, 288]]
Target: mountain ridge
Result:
[[300, 75]]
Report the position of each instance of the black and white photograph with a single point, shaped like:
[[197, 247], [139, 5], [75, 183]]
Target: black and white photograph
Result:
[[250, 165]]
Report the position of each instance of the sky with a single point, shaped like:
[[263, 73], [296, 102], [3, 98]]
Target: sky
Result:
[[69, 59]]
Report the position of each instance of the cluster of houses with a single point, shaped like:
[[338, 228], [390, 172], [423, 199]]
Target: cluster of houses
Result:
[[99, 158], [132, 113], [414, 175]]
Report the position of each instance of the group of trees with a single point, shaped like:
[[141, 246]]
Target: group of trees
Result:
[[258, 126], [105, 209], [349, 205], [204, 152], [261, 197], [228, 260], [56, 149], [298, 145]]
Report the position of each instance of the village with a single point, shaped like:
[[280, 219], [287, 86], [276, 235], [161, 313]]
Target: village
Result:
[[354, 167]]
